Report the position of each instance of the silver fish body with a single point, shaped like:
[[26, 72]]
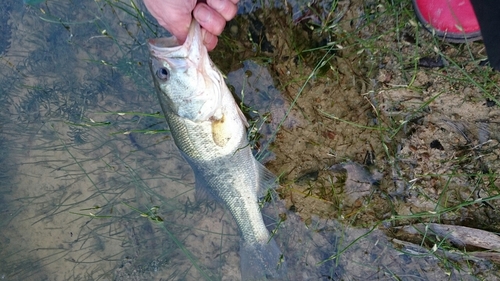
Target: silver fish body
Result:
[[210, 130]]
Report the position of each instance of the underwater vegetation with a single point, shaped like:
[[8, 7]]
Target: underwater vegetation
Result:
[[5, 26], [33, 2], [65, 86]]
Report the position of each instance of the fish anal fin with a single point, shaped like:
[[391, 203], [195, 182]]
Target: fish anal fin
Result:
[[267, 180]]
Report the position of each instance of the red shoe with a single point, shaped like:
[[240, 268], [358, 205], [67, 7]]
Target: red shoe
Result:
[[451, 20]]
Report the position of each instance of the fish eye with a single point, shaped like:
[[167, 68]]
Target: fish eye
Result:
[[162, 73]]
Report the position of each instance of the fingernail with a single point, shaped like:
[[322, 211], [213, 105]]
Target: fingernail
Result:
[[218, 5], [203, 15]]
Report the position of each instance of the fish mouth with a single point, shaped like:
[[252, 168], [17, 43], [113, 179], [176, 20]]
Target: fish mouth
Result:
[[190, 63], [169, 47]]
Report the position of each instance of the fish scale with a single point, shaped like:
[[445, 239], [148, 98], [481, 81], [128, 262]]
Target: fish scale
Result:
[[209, 129]]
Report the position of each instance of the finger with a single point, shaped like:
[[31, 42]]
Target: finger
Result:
[[209, 19], [226, 8], [209, 40], [175, 16], [180, 30]]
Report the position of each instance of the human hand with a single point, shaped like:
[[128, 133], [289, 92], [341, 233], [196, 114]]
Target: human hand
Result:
[[176, 16]]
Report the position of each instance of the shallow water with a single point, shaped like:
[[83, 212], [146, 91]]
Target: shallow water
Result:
[[92, 186]]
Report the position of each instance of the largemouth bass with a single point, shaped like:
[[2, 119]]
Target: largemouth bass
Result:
[[210, 130]]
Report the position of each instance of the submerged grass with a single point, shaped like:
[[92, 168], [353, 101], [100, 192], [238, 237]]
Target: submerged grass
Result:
[[92, 89]]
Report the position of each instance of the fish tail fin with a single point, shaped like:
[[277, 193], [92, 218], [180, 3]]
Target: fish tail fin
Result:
[[262, 261]]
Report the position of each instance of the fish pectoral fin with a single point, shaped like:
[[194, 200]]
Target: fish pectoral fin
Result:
[[221, 133], [242, 116]]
